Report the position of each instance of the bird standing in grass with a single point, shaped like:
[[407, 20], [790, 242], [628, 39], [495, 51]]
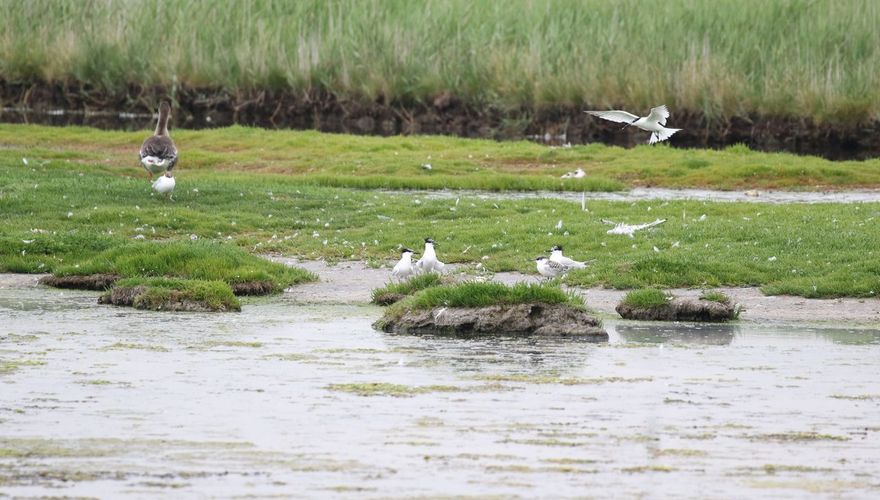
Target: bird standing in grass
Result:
[[404, 267], [429, 263], [549, 269], [158, 153], [557, 257], [165, 185], [653, 123]]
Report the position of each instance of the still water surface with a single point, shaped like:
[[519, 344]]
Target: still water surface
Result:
[[104, 401]]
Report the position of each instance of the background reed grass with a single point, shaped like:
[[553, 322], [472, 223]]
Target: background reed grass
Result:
[[813, 58]]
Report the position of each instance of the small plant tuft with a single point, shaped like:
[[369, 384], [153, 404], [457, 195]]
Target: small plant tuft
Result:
[[715, 296], [393, 292], [646, 298]]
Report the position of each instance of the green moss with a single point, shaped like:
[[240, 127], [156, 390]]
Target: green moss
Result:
[[646, 298], [384, 389], [800, 436]]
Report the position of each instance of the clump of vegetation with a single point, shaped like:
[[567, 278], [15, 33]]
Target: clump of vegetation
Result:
[[162, 294], [394, 292], [477, 294], [189, 261], [715, 296], [647, 298]]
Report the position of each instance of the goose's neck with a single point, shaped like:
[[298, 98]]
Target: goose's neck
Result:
[[162, 125]]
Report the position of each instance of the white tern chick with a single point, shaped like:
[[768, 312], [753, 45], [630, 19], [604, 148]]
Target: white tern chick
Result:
[[548, 268], [165, 184]]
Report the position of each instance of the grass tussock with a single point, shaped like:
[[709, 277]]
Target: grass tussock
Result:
[[474, 294], [715, 296], [157, 294], [392, 292], [646, 298], [816, 58], [197, 261]]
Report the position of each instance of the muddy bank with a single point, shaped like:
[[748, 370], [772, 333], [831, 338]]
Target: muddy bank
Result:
[[519, 319], [352, 282], [680, 310], [97, 282], [444, 114]]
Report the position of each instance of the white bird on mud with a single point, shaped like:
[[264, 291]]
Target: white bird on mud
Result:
[[429, 263], [158, 153], [549, 269], [653, 123], [627, 229], [557, 257], [165, 185], [404, 267]]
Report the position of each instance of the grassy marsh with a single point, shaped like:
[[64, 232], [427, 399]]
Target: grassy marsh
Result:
[[337, 160], [719, 58], [67, 206]]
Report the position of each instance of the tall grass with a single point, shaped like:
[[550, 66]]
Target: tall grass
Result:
[[818, 58]]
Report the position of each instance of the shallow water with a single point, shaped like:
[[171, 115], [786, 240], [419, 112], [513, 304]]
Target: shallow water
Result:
[[102, 401], [666, 194]]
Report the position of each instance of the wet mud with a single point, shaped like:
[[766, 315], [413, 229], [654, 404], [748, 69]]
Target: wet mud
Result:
[[680, 310], [352, 282], [293, 395], [444, 114]]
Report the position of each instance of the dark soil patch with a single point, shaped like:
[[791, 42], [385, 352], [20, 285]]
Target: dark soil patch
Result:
[[386, 299], [681, 310], [253, 288], [99, 282], [519, 319], [444, 114]]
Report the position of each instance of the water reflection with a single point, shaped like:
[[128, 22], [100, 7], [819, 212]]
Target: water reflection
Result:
[[684, 333]]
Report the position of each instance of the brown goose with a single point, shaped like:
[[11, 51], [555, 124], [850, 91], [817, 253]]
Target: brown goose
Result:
[[158, 153]]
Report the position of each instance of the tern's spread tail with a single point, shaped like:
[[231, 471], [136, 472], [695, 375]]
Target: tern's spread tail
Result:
[[662, 135]]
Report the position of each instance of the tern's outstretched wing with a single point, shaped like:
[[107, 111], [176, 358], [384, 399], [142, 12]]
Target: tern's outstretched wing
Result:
[[614, 116], [610, 223], [649, 224], [659, 114]]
